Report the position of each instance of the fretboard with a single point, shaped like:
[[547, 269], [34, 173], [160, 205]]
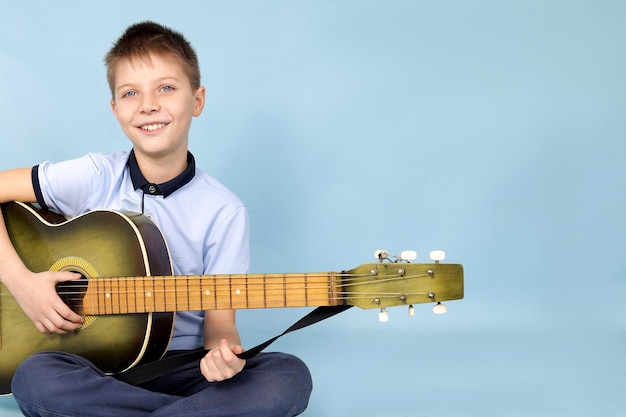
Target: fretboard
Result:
[[121, 295]]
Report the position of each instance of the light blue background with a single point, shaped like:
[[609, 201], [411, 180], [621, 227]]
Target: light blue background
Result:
[[491, 129]]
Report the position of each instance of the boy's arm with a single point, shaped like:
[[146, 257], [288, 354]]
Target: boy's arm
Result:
[[34, 292], [218, 325], [232, 253], [222, 337]]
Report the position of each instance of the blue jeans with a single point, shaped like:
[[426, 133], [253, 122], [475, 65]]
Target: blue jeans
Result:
[[57, 384]]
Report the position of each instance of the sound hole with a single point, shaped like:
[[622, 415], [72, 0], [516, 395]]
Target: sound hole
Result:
[[73, 292]]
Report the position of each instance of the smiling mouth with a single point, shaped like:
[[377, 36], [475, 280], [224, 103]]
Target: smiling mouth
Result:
[[154, 126]]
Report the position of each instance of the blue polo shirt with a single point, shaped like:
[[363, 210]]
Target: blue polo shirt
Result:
[[205, 224]]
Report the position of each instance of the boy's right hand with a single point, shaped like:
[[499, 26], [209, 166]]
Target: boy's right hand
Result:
[[36, 294]]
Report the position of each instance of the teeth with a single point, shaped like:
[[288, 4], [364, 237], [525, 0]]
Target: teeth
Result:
[[153, 126]]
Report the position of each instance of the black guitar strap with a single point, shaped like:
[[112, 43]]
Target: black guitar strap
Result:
[[149, 371]]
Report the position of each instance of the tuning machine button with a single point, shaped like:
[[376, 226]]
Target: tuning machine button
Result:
[[437, 255], [381, 255], [408, 255], [383, 316], [440, 308]]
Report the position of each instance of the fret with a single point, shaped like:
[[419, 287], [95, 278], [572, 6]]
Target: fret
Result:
[[129, 296], [139, 295], [159, 294], [88, 304], [274, 291], [256, 295], [163, 299], [294, 291], [284, 290], [230, 292], [319, 287], [247, 302], [264, 291], [222, 293], [95, 299], [100, 308], [306, 288], [333, 298], [202, 294], [179, 293], [104, 299], [90, 300], [114, 294], [239, 292], [194, 294], [148, 294], [214, 292]]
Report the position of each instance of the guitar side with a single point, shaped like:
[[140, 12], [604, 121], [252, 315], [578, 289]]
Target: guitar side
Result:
[[97, 244]]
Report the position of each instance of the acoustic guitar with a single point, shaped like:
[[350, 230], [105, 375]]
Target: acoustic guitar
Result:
[[129, 296]]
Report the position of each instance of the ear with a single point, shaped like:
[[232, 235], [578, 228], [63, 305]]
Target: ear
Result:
[[199, 101], [114, 108]]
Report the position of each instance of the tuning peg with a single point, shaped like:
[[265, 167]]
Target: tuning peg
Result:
[[437, 255], [383, 316], [408, 255], [381, 254], [440, 308], [411, 310]]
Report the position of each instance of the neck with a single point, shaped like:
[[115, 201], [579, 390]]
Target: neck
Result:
[[163, 169]]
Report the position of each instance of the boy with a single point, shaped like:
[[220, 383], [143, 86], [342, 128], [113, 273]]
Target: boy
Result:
[[155, 84]]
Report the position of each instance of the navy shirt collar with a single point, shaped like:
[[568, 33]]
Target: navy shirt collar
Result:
[[166, 188]]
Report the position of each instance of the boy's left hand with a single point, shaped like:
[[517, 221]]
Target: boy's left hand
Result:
[[222, 363]]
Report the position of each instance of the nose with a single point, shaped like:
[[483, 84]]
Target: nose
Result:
[[149, 104]]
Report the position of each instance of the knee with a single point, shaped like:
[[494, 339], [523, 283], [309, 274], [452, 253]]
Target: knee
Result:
[[301, 384], [29, 370], [41, 372], [291, 369], [288, 382]]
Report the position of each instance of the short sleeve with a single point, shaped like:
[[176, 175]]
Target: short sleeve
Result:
[[66, 186], [228, 248], [71, 187]]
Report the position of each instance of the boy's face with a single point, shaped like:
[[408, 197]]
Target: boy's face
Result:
[[154, 103]]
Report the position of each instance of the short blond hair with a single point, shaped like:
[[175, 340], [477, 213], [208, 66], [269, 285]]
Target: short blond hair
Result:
[[145, 38]]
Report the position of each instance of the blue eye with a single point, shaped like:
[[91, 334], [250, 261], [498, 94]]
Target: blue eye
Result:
[[129, 94], [167, 88]]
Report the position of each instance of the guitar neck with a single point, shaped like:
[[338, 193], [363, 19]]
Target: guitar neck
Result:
[[122, 295]]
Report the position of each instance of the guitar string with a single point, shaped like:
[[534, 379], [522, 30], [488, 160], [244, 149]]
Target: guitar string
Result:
[[348, 280], [196, 283], [161, 298], [218, 284]]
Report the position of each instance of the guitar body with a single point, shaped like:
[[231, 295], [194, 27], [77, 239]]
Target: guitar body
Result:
[[97, 244]]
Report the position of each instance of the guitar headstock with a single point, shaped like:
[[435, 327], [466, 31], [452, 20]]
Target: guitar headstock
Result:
[[400, 282]]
